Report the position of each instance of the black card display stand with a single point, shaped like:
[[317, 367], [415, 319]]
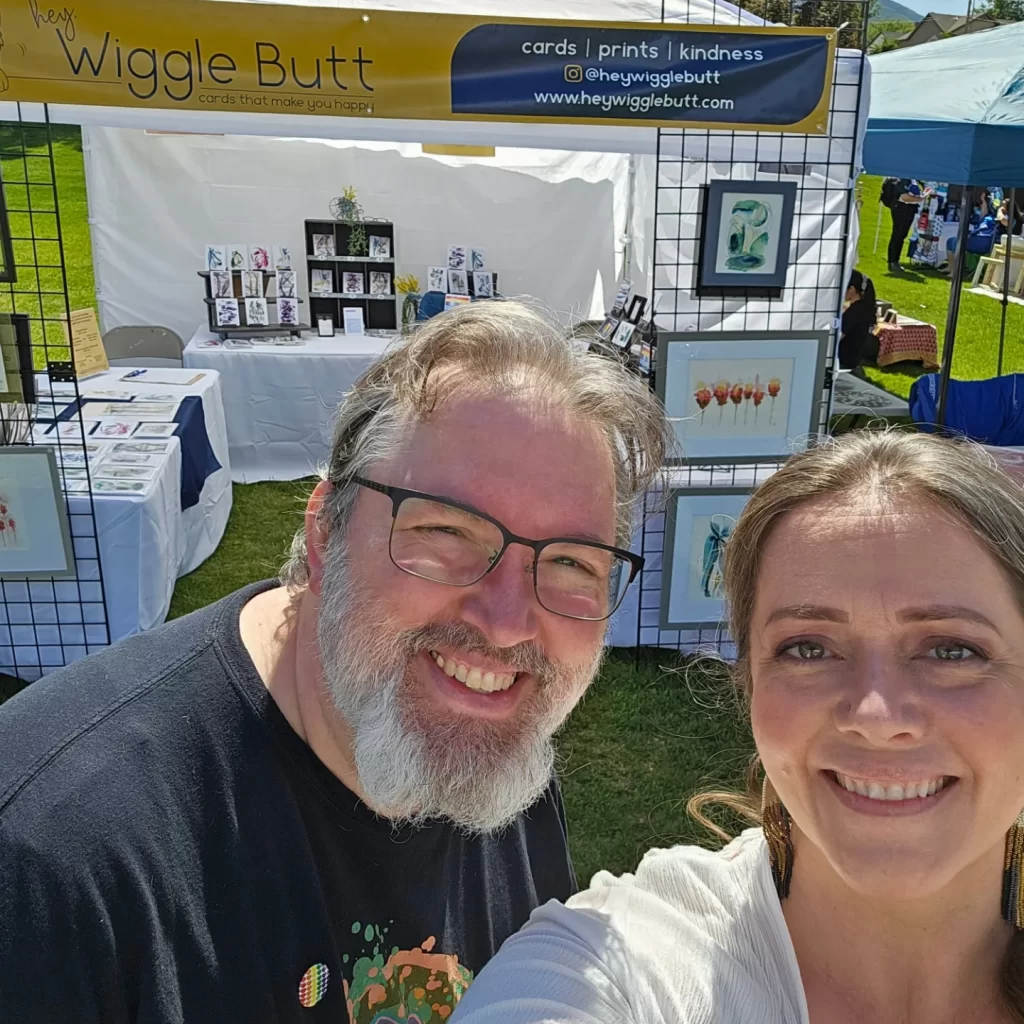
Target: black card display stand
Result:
[[256, 330], [380, 312]]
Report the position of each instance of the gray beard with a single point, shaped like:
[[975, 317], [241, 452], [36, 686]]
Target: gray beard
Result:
[[414, 764]]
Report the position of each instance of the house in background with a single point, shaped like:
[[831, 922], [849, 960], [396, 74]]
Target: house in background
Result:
[[937, 26], [885, 40]]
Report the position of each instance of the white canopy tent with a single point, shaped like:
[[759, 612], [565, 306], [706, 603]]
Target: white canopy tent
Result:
[[556, 206]]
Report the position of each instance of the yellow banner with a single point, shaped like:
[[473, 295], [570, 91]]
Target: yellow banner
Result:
[[283, 59]]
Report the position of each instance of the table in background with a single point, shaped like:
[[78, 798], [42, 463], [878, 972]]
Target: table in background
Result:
[[853, 396], [280, 402], [908, 341], [146, 541]]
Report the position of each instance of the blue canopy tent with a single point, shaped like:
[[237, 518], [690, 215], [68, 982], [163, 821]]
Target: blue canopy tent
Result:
[[952, 111]]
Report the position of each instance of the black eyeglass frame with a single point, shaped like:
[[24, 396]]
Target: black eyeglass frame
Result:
[[399, 494]]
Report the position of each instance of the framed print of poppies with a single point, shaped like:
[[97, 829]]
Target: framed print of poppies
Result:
[[746, 229], [736, 396], [698, 522], [35, 542]]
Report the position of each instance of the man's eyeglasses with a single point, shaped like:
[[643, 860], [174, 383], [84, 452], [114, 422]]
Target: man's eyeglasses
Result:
[[446, 542]]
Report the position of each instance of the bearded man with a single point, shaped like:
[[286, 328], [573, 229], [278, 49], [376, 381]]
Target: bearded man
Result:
[[331, 796]]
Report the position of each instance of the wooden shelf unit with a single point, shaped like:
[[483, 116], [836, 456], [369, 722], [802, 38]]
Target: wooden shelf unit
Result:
[[380, 312]]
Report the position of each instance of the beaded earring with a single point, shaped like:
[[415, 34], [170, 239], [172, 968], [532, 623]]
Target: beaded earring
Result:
[[1013, 868], [777, 827]]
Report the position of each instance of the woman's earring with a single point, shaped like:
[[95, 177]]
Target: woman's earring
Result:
[[777, 827], [1013, 868]]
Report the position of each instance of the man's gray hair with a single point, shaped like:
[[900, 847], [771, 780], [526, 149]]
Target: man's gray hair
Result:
[[496, 347]]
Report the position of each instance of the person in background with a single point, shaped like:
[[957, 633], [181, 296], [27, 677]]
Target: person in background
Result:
[[981, 235], [858, 344], [331, 796], [905, 196], [1003, 226], [875, 590]]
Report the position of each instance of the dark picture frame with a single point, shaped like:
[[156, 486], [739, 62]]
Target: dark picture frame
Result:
[[713, 277], [677, 612], [16, 352], [8, 271]]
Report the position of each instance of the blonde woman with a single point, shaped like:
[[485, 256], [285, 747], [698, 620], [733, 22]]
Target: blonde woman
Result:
[[877, 604]]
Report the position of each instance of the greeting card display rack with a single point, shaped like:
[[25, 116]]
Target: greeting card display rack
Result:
[[380, 312], [255, 330]]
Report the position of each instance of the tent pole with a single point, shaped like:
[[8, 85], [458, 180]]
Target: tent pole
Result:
[[1008, 242], [966, 208]]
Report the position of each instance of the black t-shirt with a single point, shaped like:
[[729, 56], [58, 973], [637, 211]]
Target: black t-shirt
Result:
[[857, 343], [170, 850]]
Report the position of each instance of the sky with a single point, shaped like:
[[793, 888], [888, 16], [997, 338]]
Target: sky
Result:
[[938, 6]]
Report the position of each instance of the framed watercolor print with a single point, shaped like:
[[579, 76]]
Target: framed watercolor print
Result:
[[35, 541], [252, 285], [17, 373], [217, 257], [483, 283], [698, 522], [380, 246], [321, 282], [323, 245], [238, 257], [288, 312], [736, 396], [456, 257], [286, 284], [746, 229], [437, 279], [623, 335], [477, 260], [283, 257], [256, 313], [222, 284], [458, 282], [380, 282], [352, 283], [227, 313], [148, 430], [608, 328], [259, 257]]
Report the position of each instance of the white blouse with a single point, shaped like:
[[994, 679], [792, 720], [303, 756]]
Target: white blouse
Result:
[[694, 937]]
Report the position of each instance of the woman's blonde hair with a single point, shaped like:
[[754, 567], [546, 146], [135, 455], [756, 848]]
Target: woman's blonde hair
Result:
[[958, 477]]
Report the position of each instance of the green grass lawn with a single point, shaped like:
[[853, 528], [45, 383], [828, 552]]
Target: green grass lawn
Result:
[[924, 295], [648, 734], [38, 239]]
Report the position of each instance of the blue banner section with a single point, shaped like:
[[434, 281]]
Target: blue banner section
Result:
[[748, 78]]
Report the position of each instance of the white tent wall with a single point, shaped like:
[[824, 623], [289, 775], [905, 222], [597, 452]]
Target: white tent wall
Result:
[[127, 171], [549, 221]]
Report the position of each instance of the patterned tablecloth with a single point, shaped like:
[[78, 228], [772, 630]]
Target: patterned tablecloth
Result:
[[908, 341]]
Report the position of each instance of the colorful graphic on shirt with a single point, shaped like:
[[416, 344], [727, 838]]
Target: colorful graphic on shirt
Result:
[[313, 985], [416, 986]]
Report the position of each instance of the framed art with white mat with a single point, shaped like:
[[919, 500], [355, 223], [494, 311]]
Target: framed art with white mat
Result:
[[738, 396], [698, 523], [35, 540]]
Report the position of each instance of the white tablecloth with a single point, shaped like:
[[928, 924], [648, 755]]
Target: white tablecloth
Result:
[[146, 542], [280, 402]]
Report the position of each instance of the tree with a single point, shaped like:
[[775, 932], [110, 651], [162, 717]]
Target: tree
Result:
[[853, 14], [1004, 10]]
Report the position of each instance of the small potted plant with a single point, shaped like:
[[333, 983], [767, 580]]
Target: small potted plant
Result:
[[347, 209]]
